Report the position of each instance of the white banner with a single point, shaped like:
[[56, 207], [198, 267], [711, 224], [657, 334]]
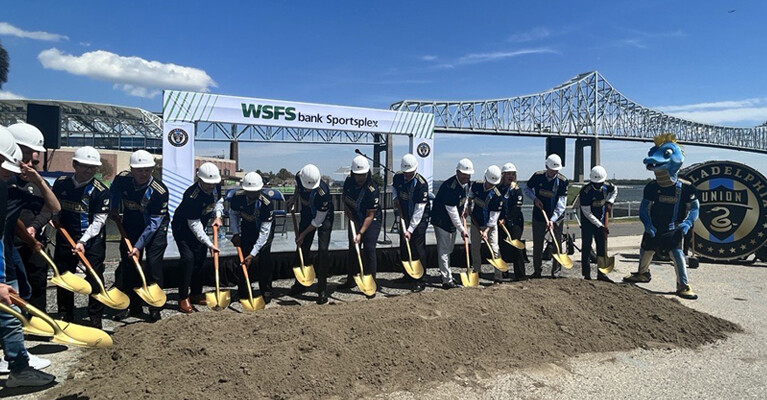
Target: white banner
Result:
[[181, 106], [177, 160], [423, 150]]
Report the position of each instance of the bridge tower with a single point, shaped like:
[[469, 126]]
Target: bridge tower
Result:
[[580, 144]]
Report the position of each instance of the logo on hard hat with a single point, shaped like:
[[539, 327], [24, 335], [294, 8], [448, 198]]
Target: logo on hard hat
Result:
[[733, 209], [178, 137], [423, 150]]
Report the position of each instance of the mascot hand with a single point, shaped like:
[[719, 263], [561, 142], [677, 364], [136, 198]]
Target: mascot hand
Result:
[[685, 227], [650, 230]]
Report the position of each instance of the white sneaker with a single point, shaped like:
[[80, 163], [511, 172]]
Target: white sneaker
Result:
[[4, 367], [38, 362], [29, 377]]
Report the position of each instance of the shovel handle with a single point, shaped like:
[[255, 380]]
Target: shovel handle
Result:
[[124, 235], [244, 268], [18, 301], [357, 247], [73, 245], [407, 242], [215, 244], [50, 262], [551, 232], [466, 246]]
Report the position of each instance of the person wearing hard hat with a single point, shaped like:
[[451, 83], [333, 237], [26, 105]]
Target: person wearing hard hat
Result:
[[250, 219], [486, 206], [316, 215], [548, 190], [17, 360], [84, 209], [31, 142], [411, 199], [362, 207], [446, 217], [512, 218], [201, 202], [143, 201], [596, 199]]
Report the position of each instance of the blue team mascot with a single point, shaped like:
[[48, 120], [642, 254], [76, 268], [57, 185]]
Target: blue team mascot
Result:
[[668, 210]]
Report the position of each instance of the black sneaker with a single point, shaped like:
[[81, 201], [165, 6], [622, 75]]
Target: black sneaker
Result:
[[154, 315], [267, 297], [604, 278], [536, 275], [450, 285], [348, 284], [322, 298], [95, 322], [296, 289], [418, 287], [636, 277]]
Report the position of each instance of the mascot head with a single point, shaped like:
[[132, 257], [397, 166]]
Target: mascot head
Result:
[[665, 159]]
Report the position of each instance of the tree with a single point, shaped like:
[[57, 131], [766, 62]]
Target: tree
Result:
[[106, 170], [284, 175], [4, 65]]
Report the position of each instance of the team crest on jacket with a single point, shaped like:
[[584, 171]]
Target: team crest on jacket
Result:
[[733, 209]]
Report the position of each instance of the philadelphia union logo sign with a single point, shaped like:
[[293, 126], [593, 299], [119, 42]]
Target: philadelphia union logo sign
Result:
[[178, 137], [423, 149], [733, 209]]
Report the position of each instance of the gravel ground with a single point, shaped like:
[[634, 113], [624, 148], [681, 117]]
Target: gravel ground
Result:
[[734, 368]]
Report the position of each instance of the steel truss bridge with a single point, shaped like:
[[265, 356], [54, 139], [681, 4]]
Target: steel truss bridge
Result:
[[587, 106], [98, 125]]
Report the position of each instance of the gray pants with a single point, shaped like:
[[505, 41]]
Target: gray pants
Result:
[[445, 246], [539, 232], [476, 248]]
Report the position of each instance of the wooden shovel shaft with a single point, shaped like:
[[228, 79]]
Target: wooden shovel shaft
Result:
[[551, 231], [466, 247], [295, 232], [606, 219], [215, 258], [130, 249], [84, 260], [245, 273], [407, 242], [357, 247]]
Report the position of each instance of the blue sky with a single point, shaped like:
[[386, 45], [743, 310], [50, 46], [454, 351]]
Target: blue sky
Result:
[[699, 60]]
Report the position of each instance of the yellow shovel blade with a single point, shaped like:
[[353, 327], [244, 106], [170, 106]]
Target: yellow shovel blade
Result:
[[73, 283], [564, 260], [220, 301], [606, 264], [26, 327], [413, 268], [92, 337], [366, 283], [152, 295], [517, 243], [113, 298], [252, 305], [470, 279], [304, 275], [499, 264]]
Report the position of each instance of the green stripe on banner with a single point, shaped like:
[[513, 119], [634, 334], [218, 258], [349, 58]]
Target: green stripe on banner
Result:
[[170, 113], [167, 100], [410, 121], [191, 101], [400, 118], [215, 100], [197, 106], [205, 107], [181, 105]]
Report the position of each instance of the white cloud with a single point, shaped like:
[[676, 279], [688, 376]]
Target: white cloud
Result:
[[428, 57], [529, 36], [10, 30], [477, 58], [6, 95], [747, 112], [134, 75]]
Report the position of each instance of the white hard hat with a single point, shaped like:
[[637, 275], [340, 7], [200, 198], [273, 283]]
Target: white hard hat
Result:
[[493, 175], [7, 143], [360, 165], [252, 182], [310, 176], [28, 135], [208, 173], [465, 166], [87, 155], [554, 162], [409, 163], [598, 174], [13, 164], [141, 159], [509, 167]]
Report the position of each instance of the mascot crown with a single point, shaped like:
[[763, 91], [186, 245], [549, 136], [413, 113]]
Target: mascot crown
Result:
[[666, 138]]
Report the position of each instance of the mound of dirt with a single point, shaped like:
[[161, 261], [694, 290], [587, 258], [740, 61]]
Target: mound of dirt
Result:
[[363, 348]]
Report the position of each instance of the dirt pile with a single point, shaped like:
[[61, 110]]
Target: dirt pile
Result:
[[363, 348]]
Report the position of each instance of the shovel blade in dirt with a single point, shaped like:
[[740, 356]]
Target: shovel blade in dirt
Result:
[[605, 264], [91, 336], [366, 283], [470, 278], [44, 325], [218, 300], [514, 242], [113, 298], [152, 295], [498, 264], [252, 305], [563, 260], [414, 268], [304, 275], [67, 280]]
